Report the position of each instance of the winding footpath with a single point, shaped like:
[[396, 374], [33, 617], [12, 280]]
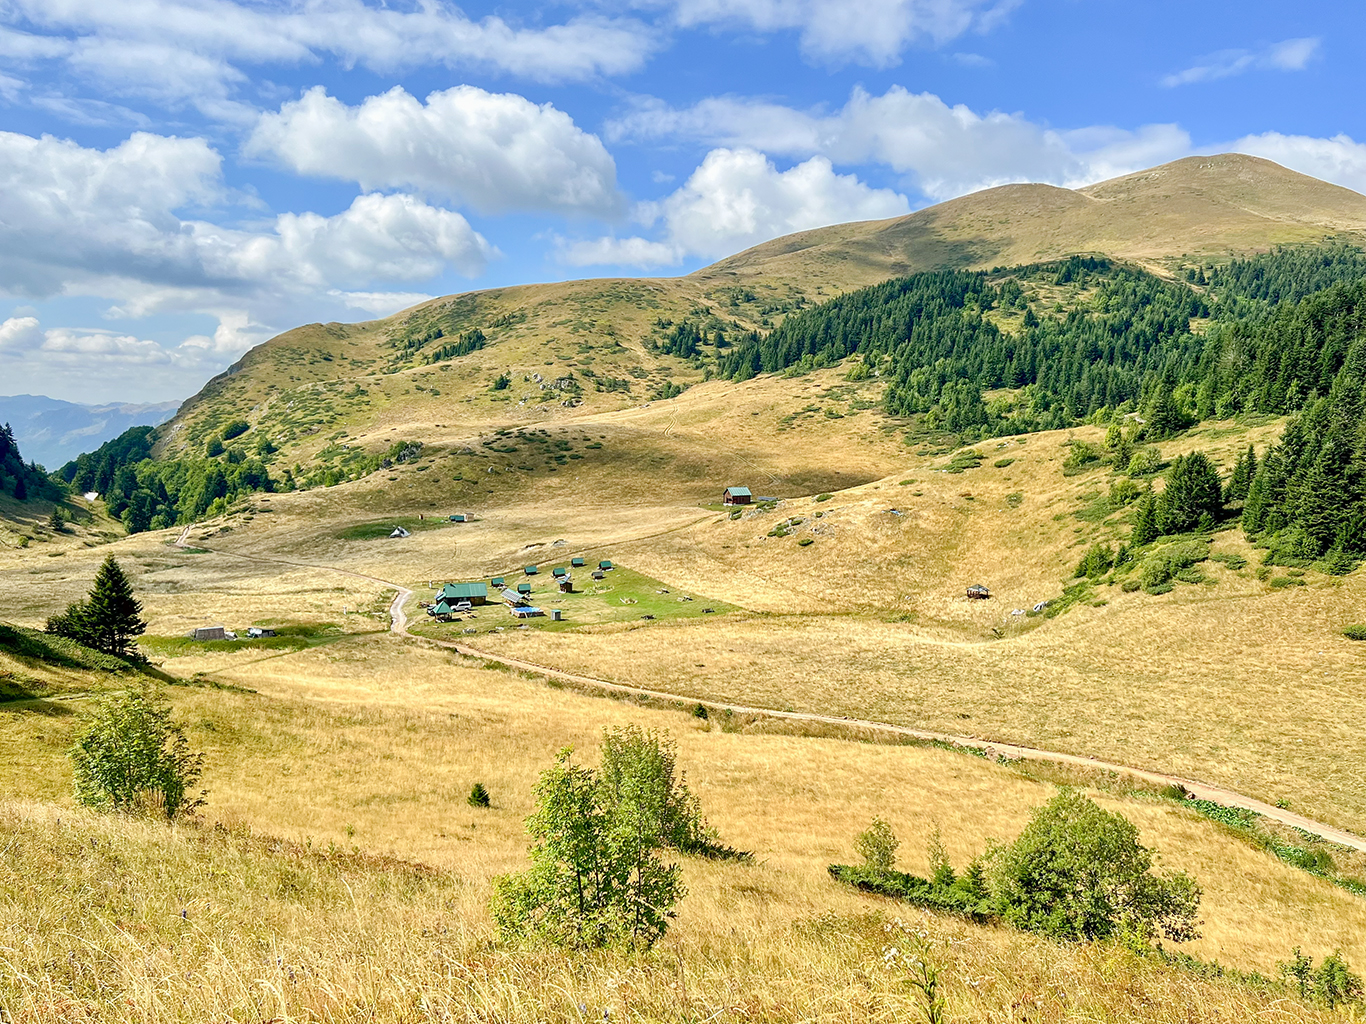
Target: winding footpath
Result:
[[1201, 790]]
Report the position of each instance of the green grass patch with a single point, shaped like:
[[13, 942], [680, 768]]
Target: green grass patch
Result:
[[1003, 463], [292, 637], [622, 596], [381, 528], [36, 646]]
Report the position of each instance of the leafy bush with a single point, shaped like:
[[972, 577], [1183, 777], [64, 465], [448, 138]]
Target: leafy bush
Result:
[[1281, 582], [1168, 562], [596, 878], [1079, 872], [1097, 561], [824, 497], [805, 542], [1003, 463], [1144, 462], [1082, 457], [235, 429], [134, 758], [479, 796], [1355, 632], [877, 845], [1123, 492]]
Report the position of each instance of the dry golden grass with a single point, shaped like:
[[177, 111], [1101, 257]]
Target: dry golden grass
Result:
[[371, 747]]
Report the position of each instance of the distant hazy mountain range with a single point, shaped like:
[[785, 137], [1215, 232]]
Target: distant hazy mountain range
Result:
[[52, 432]]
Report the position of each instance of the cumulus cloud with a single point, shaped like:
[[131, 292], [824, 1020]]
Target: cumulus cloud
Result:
[[875, 32], [737, 198], [492, 151], [1340, 159], [19, 333], [1287, 55], [193, 51], [95, 364], [106, 222], [113, 224], [945, 151]]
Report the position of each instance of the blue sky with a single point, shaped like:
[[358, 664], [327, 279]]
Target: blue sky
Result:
[[182, 179]]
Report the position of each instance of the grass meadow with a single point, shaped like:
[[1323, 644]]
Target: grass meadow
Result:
[[339, 874]]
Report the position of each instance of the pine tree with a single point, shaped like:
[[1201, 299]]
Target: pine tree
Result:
[[20, 490], [1145, 529], [1241, 479], [1193, 492], [113, 615]]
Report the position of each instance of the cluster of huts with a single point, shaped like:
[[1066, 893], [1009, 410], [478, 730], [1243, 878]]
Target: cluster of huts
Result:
[[457, 598]]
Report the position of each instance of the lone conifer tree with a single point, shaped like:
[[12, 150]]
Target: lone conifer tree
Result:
[[109, 620]]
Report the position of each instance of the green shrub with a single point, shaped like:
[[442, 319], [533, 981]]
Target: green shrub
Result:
[[132, 758], [1355, 632], [1079, 872], [968, 458], [805, 541], [235, 429], [1082, 457], [1281, 582], [1129, 586], [479, 796], [1123, 492], [1234, 562], [1097, 561], [596, 877], [877, 845], [824, 497], [700, 711], [1003, 463], [1144, 462]]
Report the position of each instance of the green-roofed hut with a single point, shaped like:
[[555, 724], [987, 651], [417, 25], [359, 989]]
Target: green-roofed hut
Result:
[[442, 608], [577, 563], [474, 593], [524, 588], [530, 570], [736, 496], [497, 581], [559, 571], [605, 564]]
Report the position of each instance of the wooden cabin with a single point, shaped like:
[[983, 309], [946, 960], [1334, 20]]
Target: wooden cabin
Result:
[[736, 496]]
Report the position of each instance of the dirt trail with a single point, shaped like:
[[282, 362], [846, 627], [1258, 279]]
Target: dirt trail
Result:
[[1201, 790]]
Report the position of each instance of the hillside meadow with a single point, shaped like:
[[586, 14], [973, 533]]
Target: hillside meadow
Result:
[[347, 876]]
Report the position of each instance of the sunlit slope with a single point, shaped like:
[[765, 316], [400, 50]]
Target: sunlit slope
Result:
[[1201, 206], [582, 347]]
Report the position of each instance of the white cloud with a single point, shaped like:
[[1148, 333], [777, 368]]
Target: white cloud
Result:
[[1341, 159], [491, 151], [112, 224], [945, 151], [872, 32], [194, 51], [1288, 55], [380, 303], [20, 332], [86, 221], [738, 198]]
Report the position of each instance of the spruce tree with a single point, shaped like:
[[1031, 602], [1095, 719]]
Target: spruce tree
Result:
[[1145, 529], [113, 616], [1193, 492]]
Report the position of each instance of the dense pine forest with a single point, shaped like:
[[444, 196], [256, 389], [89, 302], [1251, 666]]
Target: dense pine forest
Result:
[[1050, 345], [20, 480]]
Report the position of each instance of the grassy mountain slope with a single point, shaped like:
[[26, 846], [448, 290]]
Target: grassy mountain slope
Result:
[[583, 347], [1201, 206]]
